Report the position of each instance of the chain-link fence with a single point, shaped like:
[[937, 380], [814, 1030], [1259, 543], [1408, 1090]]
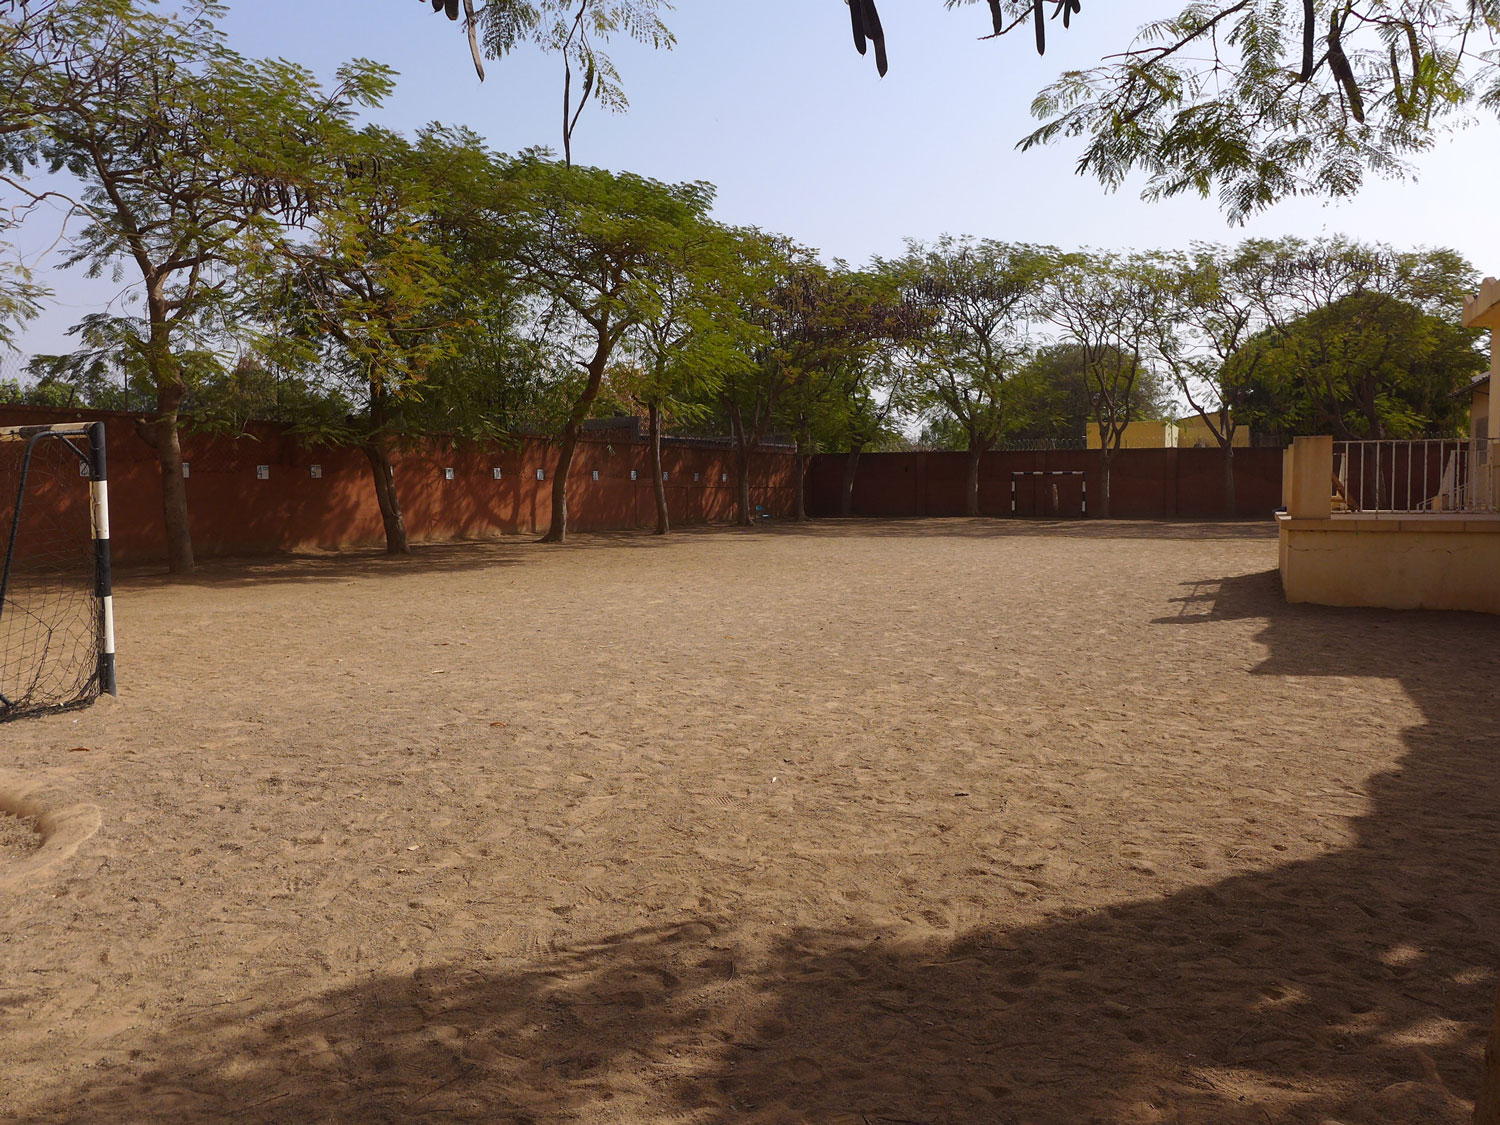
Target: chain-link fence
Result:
[[12, 375]]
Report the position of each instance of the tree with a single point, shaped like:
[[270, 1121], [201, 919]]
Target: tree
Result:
[[373, 292], [593, 247], [873, 398], [1368, 366], [106, 371], [816, 326], [180, 148], [776, 282], [1064, 408], [981, 297], [684, 346], [1107, 307], [20, 298], [1258, 100], [496, 378], [1296, 276], [1210, 313], [847, 321], [34, 36], [1273, 298]]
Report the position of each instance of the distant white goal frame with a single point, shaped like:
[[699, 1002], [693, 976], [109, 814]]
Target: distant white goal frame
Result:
[[1083, 480]]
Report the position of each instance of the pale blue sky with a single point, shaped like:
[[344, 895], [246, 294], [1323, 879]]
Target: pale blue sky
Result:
[[770, 102]]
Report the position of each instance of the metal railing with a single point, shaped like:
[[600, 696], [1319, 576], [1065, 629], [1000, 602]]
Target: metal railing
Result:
[[1426, 475]]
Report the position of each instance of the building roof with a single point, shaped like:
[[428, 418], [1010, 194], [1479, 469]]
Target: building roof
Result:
[[1483, 309]]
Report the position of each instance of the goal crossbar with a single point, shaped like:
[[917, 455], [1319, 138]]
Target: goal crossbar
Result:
[[85, 442], [1082, 475], [27, 433]]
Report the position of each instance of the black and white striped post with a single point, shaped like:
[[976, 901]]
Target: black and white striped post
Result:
[[103, 582], [1083, 481]]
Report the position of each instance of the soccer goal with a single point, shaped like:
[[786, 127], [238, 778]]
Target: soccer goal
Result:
[[57, 635], [1040, 476]]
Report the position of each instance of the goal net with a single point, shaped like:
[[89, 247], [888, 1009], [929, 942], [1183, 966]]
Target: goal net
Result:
[[56, 625]]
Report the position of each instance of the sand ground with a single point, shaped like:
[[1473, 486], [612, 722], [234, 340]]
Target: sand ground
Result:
[[941, 821]]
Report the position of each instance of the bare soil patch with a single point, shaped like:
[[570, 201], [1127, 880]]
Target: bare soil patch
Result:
[[19, 838], [948, 821]]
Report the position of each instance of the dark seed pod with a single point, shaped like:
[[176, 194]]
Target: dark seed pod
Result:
[[1338, 62], [1416, 56], [859, 25], [870, 28], [872, 21]]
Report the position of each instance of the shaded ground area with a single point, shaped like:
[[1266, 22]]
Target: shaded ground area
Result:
[[922, 822]]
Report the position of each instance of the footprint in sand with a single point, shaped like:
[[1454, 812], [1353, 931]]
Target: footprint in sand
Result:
[[804, 1069]]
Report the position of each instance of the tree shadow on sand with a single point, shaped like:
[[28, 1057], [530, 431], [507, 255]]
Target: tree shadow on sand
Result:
[[452, 557], [1003, 527], [1352, 987]]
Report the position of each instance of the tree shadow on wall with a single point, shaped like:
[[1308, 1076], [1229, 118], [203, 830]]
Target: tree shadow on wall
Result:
[[1351, 987]]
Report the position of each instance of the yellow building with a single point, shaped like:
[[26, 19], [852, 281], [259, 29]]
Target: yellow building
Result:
[[1191, 432], [1194, 433], [1140, 435]]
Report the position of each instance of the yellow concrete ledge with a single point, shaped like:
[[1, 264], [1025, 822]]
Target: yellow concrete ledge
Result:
[[1446, 522], [1439, 561]]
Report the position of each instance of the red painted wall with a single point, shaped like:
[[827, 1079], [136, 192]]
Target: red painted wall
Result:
[[1144, 483], [234, 512]]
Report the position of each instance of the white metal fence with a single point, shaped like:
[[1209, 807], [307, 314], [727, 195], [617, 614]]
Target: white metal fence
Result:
[[1427, 475]]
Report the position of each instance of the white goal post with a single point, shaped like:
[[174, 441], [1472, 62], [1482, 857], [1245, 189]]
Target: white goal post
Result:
[[57, 633]]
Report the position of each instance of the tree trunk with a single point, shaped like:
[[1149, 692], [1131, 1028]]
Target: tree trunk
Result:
[[166, 377], [396, 542], [558, 529], [174, 507], [1230, 508], [1487, 1106], [851, 467], [971, 494], [801, 491], [742, 489], [658, 486], [743, 515]]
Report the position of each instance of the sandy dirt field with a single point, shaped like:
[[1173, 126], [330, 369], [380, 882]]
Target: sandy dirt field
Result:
[[18, 839], [866, 823]]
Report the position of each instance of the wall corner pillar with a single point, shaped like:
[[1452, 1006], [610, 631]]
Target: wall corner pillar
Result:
[[1311, 490]]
